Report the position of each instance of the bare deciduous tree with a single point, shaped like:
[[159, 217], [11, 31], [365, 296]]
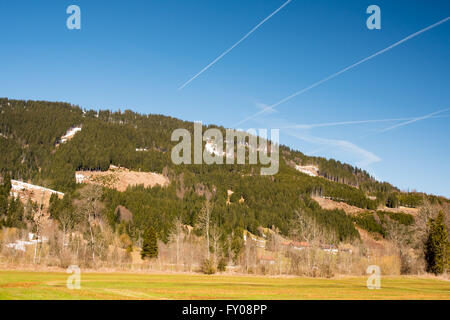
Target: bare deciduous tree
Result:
[[215, 233], [89, 209], [204, 223], [177, 237], [307, 228]]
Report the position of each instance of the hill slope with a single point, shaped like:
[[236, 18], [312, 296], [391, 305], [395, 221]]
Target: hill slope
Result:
[[32, 150]]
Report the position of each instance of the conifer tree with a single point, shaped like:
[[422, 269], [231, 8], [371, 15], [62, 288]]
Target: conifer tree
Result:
[[436, 247], [150, 245], [392, 201], [6, 187]]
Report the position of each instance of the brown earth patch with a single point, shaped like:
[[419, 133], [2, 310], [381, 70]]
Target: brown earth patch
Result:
[[411, 211], [18, 285], [371, 241], [329, 204], [121, 178], [35, 194]]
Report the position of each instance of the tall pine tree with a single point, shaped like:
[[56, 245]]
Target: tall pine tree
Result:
[[150, 245], [436, 248]]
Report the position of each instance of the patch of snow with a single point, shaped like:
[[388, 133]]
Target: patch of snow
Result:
[[70, 134], [80, 178], [211, 147], [20, 185], [310, 170], [332, 251], [20, 244]]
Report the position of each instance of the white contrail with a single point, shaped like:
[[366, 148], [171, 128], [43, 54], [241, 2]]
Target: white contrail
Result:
[[344, 70], [234, 45], [367, 156], [343, 123], [430, 115], [411, 120]]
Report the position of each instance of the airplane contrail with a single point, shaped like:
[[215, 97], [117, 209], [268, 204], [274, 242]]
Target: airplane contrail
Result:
[[343, 123], [234, 45], [340, 123], [411, 120], [430, 115], [344, 70]]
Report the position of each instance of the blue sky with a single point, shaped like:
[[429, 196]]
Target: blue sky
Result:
[[136, 54]]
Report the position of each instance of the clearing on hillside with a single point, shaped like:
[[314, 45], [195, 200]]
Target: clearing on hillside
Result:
[[120, 178], [401, 209], [38, 194], [329, 204]]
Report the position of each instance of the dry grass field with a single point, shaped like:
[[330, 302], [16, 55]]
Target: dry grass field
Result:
[[52, 285]]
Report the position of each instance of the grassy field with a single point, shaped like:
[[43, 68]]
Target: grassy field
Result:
[[52, 285]]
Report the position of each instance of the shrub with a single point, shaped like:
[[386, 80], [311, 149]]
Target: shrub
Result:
[[207, 267], [400, 217], [368, 222], [125, 241], [222, 265]]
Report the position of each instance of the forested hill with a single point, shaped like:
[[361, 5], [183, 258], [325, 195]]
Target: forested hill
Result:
[[30, 133], [35, 127]]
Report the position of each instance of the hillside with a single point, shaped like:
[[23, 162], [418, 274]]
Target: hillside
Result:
[[55, 144]]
